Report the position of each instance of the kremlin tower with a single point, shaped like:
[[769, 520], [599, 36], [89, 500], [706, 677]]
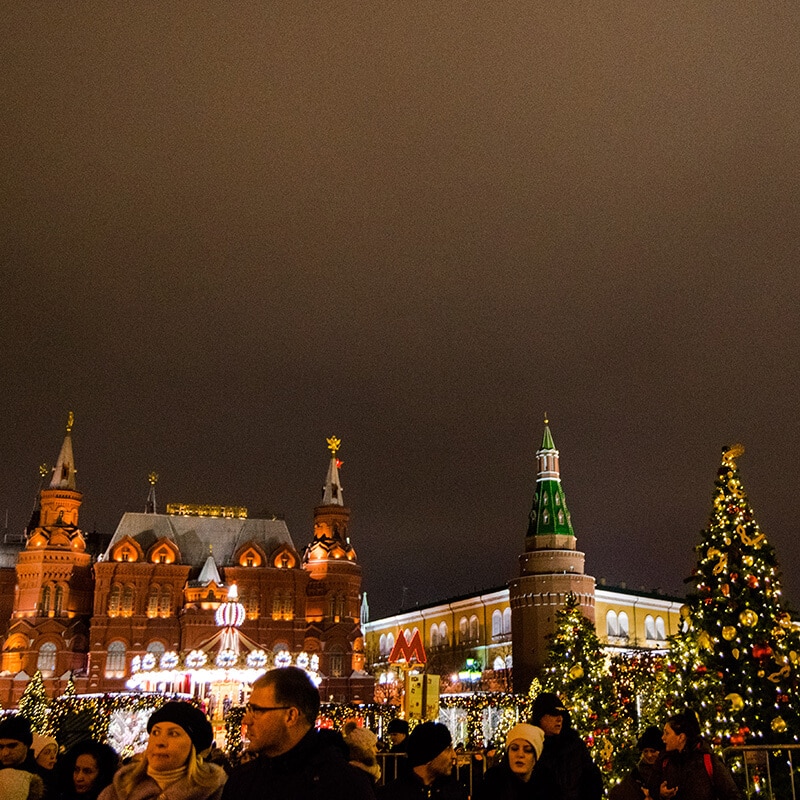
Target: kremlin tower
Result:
[[550, 568]]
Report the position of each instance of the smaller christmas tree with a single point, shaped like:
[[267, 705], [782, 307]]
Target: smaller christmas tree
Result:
[[577, 670], [34, 703]]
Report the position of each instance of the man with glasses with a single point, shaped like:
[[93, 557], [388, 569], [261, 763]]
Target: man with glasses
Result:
[[293, 762]]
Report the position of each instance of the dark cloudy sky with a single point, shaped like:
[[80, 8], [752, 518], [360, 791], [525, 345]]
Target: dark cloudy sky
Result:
[[231, 230]]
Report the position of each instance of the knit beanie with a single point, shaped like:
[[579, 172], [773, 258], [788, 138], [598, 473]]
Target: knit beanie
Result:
[[650, 739], [398, 725], [40, 742], [546, 703], [362, 740], [17, 728], [426, 742], [188, 717], [530, 733]]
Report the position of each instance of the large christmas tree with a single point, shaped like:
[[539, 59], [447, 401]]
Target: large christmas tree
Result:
[[736, 659], [577, 670]]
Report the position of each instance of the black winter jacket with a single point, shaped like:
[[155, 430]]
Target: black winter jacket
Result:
[[411, 787], [500, 783], [566, 768], [687, 770], [313, 769]]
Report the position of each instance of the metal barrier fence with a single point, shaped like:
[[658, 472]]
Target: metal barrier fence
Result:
[[468, 770], [768, 772]]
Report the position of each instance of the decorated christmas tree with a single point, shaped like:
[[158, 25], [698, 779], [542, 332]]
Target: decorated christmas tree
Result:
[[577, 670], [33, 704], [736, 659]]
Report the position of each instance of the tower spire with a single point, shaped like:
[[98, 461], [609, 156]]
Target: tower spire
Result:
[[150, 505], [549, 514], [332, 493], [64, 470]]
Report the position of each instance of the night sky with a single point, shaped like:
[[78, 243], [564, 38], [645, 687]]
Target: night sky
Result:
[[232, 230]]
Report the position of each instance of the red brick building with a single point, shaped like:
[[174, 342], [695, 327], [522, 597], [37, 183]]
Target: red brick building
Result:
[[156, 586]]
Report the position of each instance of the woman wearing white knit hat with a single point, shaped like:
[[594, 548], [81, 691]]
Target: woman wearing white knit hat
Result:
[[511, 778]]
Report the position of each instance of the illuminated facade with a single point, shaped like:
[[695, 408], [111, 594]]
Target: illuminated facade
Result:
[[155, 589], [497, 640]]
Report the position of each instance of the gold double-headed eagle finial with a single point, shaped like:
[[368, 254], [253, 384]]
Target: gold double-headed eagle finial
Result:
[[70, 422], [333, 444], [152, 478], [43, 470]]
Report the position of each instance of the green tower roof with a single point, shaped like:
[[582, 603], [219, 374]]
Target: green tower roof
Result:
[[549, 514]]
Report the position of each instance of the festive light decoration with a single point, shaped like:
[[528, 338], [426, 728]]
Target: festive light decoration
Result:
[[732, 660], [577, 669], [34, 703]]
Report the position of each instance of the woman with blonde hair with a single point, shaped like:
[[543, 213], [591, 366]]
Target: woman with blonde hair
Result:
[[172, 767]]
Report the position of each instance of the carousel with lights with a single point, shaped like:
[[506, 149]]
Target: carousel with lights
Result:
[[224, 666]]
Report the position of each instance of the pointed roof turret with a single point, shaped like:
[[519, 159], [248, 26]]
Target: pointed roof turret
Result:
[[332, 493], [64, 470], [549, 514], [209, 572]]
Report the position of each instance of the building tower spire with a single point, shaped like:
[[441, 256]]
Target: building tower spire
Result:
[[332, 493], [549, 514], [64, 470], [150, 505], [551, 568]]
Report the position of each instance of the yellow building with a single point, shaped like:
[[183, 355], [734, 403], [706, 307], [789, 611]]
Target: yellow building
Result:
[[496, 640]]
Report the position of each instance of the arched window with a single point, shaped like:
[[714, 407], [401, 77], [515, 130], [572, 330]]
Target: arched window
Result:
[[127, 601], [58, 600], [463, 629], [623, 624], [252, 604], [611, 624], [499, 663], [114, 599], [661, 634], [336, 662], [382, 645], [434, 636], [389, 643], [47, 657], [157, 649], [115, 660], [497, 623], [443, 633], [507, 621], [474, 629], [649, 627], [44, 608], [165, 603], [152, 600]]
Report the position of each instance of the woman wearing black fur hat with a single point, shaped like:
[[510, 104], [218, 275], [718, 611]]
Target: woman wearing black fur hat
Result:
[[172, 767]]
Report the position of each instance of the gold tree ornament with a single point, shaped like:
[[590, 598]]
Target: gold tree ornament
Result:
[[778, 724], [576, 672], [730, 455], [728, 633], [736, 701], [748, 617], [333, 444], [70, 422]]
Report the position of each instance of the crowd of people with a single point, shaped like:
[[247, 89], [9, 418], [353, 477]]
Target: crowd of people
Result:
[[287, 758]]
